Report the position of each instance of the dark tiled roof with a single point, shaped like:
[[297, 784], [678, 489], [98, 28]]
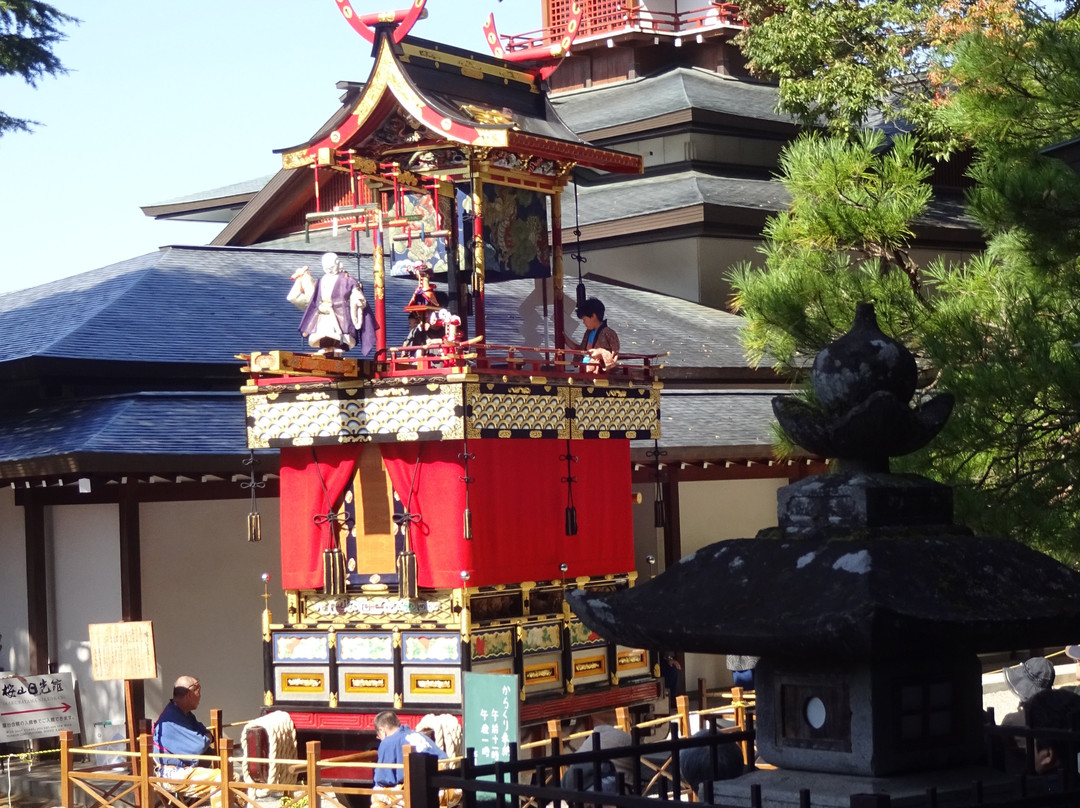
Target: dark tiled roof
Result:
[[186, 305], [681, 88], [206, 304], [639, 196], [142, 423], [716, 418], [695, 425]]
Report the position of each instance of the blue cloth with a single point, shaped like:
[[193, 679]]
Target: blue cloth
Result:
[[181, 734], [390, 752]]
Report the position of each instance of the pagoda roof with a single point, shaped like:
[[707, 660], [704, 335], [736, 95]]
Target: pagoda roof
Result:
[[423, 95], [681, 94]]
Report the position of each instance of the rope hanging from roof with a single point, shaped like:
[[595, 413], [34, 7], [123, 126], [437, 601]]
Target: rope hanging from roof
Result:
[[576, 254], [659, 509]]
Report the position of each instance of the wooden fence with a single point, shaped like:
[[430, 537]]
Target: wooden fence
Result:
[[538, 774]]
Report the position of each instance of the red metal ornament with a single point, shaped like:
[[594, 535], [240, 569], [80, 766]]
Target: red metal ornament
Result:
[[537, 53], [362, 23]]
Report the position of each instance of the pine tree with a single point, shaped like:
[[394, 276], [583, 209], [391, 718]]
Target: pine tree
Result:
[[29, 30], [1002, 330]]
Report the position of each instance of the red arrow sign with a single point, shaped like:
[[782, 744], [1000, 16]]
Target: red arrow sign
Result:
[[65, 707]]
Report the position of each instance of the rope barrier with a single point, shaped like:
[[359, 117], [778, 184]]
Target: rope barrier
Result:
[[28, 756]]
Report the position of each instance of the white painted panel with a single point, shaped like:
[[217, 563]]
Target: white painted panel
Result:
[[86, 589], [14, 642], [201, 589]]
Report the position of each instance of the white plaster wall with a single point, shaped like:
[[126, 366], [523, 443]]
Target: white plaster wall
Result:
[[713, 511], [201, 589], [716, 257], [85, 568], [671, 265], [14, 641], [648, 539]]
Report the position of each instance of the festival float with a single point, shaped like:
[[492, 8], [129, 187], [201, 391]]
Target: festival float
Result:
[[439, 499]]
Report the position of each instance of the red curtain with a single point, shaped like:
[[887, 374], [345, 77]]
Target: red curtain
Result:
[[313, 482], [518, 501]]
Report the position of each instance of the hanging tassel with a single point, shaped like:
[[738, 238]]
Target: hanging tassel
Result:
[[580, 294], [254, 530], [333, 572], [569, 479], [660, 512], [254, 521]]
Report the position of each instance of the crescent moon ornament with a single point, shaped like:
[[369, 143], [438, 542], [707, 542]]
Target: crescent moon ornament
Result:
[[362, 23]]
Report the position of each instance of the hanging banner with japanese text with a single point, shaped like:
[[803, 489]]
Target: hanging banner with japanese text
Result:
[[36, 706]]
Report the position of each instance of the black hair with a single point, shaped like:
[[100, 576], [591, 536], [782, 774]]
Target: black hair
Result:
[[1053, 709], [592, 306]]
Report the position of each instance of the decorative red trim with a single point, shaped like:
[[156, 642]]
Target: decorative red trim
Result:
[[584, 155], [590, 702], [538, 53], [404, 19]]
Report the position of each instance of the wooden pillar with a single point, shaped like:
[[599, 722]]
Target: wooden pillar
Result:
[[672, 531], [131, 595], [37, 583], [314, 752], [67, 766], [379, 282], [557, 267], [478, 252]]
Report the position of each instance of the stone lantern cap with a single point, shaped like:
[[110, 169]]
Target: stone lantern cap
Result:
[[846, 599]]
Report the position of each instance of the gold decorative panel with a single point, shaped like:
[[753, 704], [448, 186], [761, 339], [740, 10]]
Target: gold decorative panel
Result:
[[516, 411], [319, 413], [327, 415], [377, 610], [615, 412]]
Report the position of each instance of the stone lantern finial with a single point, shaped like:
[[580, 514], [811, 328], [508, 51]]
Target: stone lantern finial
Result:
[[864, 383]]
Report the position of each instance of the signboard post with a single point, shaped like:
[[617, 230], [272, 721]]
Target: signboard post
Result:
[[36, 706], [492, 719], [124, 651]]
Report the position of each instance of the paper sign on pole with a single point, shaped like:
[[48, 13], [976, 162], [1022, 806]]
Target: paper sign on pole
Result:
[[123, 651], [36, 706]]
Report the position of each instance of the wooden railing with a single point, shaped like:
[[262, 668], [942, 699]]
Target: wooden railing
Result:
[[447, 358], [92, 773], [136, 783], [633, 17]]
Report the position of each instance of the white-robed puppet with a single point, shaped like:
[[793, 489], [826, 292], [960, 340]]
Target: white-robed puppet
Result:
[[336, 313]]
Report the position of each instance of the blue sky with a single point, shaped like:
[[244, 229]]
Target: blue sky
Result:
[[164, 100]]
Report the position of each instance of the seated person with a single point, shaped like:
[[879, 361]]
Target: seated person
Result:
[[1059, 710], [1030, 677], [610, 738], [393, 737], [417, 336], [178, 732]]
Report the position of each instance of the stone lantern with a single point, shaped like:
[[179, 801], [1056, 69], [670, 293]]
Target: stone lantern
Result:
[[866, 604]]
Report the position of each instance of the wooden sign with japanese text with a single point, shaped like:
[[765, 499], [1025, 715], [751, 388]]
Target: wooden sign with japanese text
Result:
[[36, 706], [123, 650]]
